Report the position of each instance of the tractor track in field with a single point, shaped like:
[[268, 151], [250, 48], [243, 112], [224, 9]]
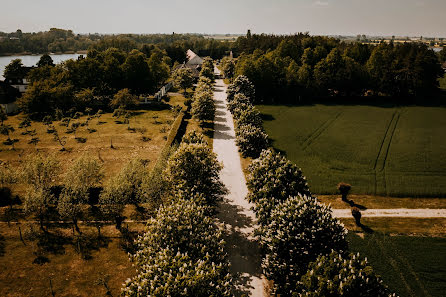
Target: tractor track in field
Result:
[[321, 129], [383, 153]]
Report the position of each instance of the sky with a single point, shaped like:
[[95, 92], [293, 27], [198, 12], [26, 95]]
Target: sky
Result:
[[319, 17]]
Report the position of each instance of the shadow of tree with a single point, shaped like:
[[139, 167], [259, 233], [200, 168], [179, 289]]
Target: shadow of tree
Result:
[[353, 204]]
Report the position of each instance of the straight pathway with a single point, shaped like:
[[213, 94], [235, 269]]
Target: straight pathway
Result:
[[235, 213], [395, 212]]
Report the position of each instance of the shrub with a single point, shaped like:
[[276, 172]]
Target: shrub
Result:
[[203, 106], [180, 254], [272, 179], [249, 116], [241, 85], [193, 169], [299, 231], [335, 275], [194, 137], [344, 189], [251, 140], [112, 200]]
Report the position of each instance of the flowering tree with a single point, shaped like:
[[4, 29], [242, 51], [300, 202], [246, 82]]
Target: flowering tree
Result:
[[203, 106], [335, 275], [299, 231], [194, 169], [249, 116], [241, 85], [180, 254], [240, 101], [272, 179], [251, 140]]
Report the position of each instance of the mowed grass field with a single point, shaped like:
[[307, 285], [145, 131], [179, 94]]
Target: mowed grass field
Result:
[[408, 265], [388, 151]]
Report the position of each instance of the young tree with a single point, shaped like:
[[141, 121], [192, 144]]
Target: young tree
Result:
[[344, 189], [194, 137], [112, 200], [183, 78], [299, 231], [39, 173], [7, 130], [193, 169], [25, 123], [83, 174], [124, 100], [338, 275]]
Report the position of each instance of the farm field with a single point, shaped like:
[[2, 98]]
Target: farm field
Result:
[[387, 151], [409, 265]]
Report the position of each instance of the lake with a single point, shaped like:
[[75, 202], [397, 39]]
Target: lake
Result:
[[31, 60]]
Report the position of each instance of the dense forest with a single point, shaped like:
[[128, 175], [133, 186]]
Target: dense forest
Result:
[[296, 67]]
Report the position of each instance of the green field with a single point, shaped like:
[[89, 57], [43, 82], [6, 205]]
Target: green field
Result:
[[409, 265], [389, 151]]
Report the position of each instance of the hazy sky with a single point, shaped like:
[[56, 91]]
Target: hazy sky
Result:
[[372, 17]]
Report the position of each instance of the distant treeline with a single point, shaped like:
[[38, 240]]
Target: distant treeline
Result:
[[290, 68], [89, 82], [60, 41]]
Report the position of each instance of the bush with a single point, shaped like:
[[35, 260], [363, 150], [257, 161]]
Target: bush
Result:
[[251, 140], [335, 275], [273, 179], [241, 85], [194, 137], [249, 116], [180, 254], [193, 169], [299, 231], [203, 106]]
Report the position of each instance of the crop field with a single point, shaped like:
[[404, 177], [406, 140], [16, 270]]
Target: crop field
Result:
[[409, 265], [388, 151]]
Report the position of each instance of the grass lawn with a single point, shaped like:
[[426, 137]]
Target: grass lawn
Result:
[[387, 151], [409, 265]]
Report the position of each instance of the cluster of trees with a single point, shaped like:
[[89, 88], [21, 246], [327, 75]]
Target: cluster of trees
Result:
[[295, 231], [203, 105], [60, 41], [55, 41], [227, 67], [290, 68], [90, 82], [181, 252], [41, 175], [250, 136]]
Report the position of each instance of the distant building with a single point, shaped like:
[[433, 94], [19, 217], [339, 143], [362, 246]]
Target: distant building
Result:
[[193, 59], [20, 82], [193, 62]]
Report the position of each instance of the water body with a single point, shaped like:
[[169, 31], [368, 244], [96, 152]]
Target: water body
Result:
[[31, 60]]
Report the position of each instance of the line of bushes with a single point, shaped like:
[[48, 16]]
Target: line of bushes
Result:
[[203, 105], [305, 251], [181, 252]]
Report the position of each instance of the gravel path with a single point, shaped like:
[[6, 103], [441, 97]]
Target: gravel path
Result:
[[235, 212], [396, 212]]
